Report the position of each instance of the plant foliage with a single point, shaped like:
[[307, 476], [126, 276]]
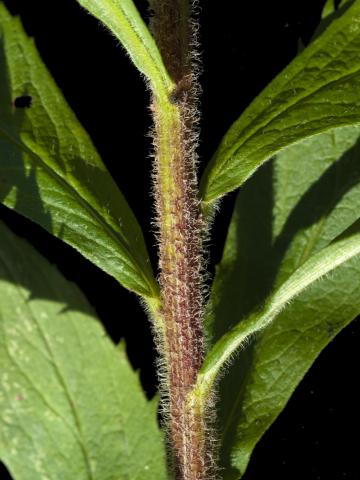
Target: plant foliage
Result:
[[70, 404], [51, 172], [289, 279]]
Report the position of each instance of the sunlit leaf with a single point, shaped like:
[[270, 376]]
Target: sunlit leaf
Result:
[[70, 405], [318, 91], [51, 173], [283, 217], [126, 24]]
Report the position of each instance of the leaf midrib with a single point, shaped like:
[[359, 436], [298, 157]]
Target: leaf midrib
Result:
[[229, 153], [73, 192], [79, 438], [280, 114], [154, 60], [300, 98]]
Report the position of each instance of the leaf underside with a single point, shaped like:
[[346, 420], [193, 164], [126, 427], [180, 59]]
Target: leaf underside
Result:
[[70, 405], [51, 173]]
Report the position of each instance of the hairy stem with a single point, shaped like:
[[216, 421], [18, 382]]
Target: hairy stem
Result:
[[180, 227]]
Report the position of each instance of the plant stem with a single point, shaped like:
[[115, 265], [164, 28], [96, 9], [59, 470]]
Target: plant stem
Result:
[[180, 240]]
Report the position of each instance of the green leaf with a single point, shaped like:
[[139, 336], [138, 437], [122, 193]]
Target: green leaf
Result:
[[330, 13], [124, 21], [51, 173], [318, 266], [330, 7], [70, 405], [318, 91], [286, 221]]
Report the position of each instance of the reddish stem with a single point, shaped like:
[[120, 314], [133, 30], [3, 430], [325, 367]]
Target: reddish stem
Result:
[[180, 240]]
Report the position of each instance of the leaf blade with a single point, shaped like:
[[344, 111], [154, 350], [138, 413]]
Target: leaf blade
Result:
[[51, 172], [283, 217], [312, 329], [125, 22], [316, 92], [71, 407], [313, 270]]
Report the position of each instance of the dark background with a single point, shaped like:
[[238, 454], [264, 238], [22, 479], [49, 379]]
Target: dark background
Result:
[[244, 45]]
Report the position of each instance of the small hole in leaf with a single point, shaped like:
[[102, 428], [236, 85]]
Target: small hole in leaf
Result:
[[24, 101]]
